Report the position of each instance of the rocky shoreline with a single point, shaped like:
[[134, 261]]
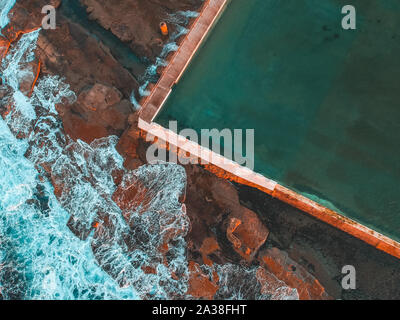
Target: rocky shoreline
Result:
[[230, 224]]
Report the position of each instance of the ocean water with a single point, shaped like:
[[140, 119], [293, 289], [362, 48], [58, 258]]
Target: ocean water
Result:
[[40, 257], [324, 102]]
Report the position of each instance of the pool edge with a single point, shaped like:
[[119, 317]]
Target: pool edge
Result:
[[224, 167]]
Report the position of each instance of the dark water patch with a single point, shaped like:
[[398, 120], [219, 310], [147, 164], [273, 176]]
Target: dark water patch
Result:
[[40, 200], [74, 11]]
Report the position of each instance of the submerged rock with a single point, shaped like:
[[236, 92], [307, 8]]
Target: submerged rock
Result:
[[137, 22], [285, 269], [246, 232], [99, 111]]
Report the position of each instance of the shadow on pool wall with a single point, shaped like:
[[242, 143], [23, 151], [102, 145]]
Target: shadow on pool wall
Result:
[[295, 238], [324, 250]]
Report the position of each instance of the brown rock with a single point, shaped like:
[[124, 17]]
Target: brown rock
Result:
[[81, 59], [209, 246], [232, 226], [78, 128], [272, 286], [3, 47], [99, 97], [102, 105], [294, 275], [26, 83], [215, 212], [116, 116], [27, 15], [137, 22], [246, 232], [99, 110], [129, 146], [200, 285]]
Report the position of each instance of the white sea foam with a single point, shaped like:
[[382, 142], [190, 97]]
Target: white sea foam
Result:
[[179, 19], [5, 7], [40, 257]]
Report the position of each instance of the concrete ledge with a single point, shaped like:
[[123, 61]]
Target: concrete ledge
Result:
[[337, 220], [181, 59], [230, 170], [203, 155], [224, 167]]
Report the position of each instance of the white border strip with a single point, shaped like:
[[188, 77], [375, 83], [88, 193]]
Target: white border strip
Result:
[[161, 105], [201, 42], [206, 155]]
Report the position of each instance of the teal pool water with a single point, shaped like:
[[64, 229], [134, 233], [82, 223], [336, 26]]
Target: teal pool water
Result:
[[324, 102]]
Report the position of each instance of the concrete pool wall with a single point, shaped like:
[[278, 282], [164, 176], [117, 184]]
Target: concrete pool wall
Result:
[[223, 167]]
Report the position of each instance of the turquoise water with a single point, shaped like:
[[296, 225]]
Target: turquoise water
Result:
[[324, 102], [40, 257], [5, 7]]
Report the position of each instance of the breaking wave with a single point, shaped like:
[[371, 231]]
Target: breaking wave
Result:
[[5, 7], [180, 20], [40, 258]]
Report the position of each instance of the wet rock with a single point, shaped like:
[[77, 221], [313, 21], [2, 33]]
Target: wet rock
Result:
[[81, 59], [294, 275], [206, 216], [27, 15], [232, 226], [137, 22], [216, 213], [243, 228], [78, 128], [3, 47], [246, 232], [102, 85], [128, 147], [79, 229], [273, 288], [98, 97], [102, 109], [209, 246], [200, 286], [27, 83]]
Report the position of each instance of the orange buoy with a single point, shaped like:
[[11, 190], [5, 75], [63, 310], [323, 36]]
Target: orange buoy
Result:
[[164, 28]]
